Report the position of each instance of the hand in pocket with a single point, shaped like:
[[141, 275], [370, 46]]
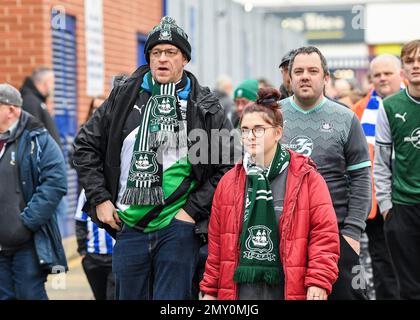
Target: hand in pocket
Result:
[[353, 243], [386, 214]]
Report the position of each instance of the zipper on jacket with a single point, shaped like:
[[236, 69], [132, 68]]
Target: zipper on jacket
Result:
[[287, 229], [19, 163], [241, 224], [238, 254], [14, 163]]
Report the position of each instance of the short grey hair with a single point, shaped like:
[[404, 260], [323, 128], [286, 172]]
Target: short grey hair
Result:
[[38, 74], [222, 81], [386, 57]]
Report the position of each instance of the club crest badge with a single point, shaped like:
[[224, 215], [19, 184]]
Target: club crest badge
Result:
[[165, 34], [143, 166], [326, 126], [258, 244], [165, 106]]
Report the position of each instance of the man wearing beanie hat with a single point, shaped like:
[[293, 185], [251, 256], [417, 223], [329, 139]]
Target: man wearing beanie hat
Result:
[[245, 94], [135, 160], [33, 180], [168, 32]]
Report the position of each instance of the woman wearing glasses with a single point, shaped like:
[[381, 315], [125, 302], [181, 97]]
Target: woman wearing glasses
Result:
[[273, 231]]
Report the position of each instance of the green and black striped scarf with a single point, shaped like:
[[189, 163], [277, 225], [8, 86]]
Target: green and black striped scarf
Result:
[[159, 129]]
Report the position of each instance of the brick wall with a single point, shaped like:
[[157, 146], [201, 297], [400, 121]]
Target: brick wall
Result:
[[25, 38], [21, 35]]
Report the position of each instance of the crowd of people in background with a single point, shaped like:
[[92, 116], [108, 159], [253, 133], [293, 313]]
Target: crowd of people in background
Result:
[[320, 162]]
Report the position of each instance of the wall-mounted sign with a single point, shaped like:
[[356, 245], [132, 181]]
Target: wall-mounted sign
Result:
[[94, 35], [326, 26]]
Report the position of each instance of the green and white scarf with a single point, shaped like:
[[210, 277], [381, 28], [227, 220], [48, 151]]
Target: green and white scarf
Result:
[[160, 129], [259, 255]]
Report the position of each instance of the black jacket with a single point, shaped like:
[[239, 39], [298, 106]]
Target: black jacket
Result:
[[34, 103], [99, 142], [283, 92]]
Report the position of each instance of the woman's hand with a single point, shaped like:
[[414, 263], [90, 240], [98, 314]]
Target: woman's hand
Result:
[[208, 297], [315, 293]]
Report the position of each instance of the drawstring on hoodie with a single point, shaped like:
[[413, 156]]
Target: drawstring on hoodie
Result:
[[38, 154], [13, 158]]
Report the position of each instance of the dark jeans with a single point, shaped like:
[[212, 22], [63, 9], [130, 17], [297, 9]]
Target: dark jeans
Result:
[[98, 270], [384, 279], [402, 231], [351, 284], [199, 272], [21, 276], [158, 265]]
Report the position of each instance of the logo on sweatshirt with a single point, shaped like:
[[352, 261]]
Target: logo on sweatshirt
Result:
[[302, 144], [401, 116], [326, 126], [414, 139]]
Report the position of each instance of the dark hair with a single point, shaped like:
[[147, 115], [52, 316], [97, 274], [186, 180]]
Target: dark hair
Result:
[[309, 50], [409, 48], [264, 83], [267, 103]]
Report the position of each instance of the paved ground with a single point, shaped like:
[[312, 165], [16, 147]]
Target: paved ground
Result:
[[70, 286]]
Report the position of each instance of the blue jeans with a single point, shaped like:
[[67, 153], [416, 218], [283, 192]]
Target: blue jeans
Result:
[[21, 276], [158, 265]]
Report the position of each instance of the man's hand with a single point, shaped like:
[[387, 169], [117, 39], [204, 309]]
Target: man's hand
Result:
[[183, 216], [316, 293], [107, 213], [385, 214], [353, 243]]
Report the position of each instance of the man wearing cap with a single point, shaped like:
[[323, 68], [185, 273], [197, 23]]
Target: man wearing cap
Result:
[[137, 160], [33, 180], [244, 95], [286, 86]]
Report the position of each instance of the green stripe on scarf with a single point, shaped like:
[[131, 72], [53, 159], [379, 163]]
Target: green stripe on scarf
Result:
[[259, 255], [160, 127]]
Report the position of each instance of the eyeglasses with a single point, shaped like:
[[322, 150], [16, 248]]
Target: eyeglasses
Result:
[[258, 132], [170, 53]]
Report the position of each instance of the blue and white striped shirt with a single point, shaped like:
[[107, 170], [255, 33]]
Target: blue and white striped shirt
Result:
[[98, 240]]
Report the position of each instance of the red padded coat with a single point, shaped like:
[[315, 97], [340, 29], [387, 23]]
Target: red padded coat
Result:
[[309, 239]]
